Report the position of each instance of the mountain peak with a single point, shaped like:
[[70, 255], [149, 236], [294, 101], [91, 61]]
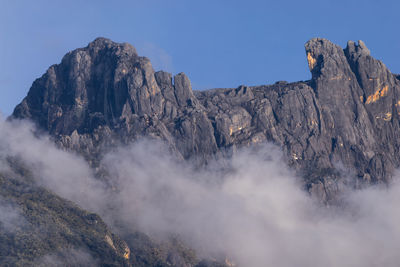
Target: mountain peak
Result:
[[101, 43], [107, 87], [319, 48], [356, 50], [349, 112]]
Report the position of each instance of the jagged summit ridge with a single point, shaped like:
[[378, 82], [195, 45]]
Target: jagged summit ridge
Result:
[[101, 43], [357, 49], [105, 94], [107, 86]]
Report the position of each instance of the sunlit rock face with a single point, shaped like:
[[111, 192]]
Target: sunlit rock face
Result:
[[339, 128]]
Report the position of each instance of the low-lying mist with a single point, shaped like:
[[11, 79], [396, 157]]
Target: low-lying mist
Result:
[[255, 211]]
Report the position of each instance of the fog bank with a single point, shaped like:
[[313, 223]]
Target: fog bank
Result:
[[256, 213]]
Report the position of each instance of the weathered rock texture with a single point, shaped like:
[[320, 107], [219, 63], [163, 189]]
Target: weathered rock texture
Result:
[[347, 115], [105, 93], [98, 97]]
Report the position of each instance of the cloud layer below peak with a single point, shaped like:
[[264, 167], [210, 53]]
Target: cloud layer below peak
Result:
[[254, 211]]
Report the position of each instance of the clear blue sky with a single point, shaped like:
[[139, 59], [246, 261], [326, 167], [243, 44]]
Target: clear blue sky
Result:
[[217, 43]]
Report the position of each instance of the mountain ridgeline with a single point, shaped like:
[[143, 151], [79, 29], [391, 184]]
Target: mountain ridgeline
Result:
[[338, 130], [345, 118]]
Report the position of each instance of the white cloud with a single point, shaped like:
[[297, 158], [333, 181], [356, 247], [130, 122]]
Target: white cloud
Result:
[[254, 211], [67, 257], [11, 218]]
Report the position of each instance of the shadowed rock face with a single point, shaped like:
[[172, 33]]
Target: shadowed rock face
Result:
[[347, 115]]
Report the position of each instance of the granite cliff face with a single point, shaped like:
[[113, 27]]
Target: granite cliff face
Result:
[[347, 115], [105, 93], [339, 129]]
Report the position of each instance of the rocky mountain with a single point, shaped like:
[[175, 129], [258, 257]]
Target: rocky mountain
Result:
[[347, 115], [339, 129]]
